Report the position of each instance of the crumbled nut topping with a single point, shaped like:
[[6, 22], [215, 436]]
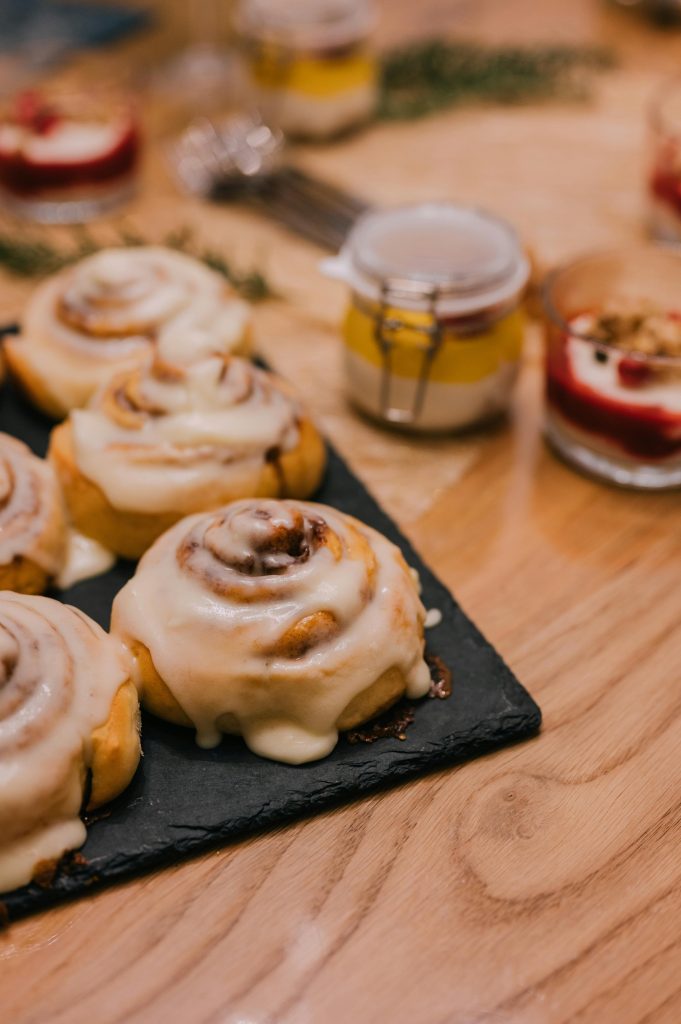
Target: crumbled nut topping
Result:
[[639, 328]]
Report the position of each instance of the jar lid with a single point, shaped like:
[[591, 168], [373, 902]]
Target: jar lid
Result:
[[461, 257], [306, 23]]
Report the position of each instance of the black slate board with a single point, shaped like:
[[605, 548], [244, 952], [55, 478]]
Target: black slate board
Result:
[[184, 799]]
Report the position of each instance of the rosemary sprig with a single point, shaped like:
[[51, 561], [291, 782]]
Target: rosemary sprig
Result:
[[251, 284], [35, 256], [428, 76]]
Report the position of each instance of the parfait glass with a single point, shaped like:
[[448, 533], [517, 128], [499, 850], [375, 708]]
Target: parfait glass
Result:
[[68, 155], [613, 365]]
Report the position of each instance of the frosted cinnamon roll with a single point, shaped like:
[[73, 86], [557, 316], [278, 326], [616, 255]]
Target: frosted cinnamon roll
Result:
[[282, 621], [107, 312], [69, 726], [163, 441], [33, 531]]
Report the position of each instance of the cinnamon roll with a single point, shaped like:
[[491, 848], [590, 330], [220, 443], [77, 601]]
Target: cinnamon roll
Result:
[[107, 312], [33, 531], [163, 441], [282, 621], [69, 724]]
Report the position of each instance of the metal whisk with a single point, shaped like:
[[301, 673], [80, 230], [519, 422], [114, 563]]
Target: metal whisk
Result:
[[243, 160]]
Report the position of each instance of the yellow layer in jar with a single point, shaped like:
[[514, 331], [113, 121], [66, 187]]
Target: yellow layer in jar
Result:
[[275, 68], [460, 360]]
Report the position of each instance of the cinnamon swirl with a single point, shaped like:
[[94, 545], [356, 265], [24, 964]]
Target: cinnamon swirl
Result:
[[33, 532], [163, 441], [107, 312], [284, 621], [68, 713]]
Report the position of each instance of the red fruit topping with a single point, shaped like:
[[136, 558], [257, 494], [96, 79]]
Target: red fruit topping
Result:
[[633, 373], [33, 112]]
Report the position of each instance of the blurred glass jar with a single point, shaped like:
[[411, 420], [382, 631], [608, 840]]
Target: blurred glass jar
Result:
[[434, 329], [664, 180], [310, 64], [613, 369], [67, 156]]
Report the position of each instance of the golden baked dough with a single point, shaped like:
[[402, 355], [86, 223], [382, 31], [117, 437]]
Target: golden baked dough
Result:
[[283, 621], [108, 312], [69, 724], [33, 529], [163, 441]]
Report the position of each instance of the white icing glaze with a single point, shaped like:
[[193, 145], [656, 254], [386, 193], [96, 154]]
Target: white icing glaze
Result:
[[433, 618], [32, 517], [59, 673], [214, 597], [206, 427], [105, 314], [604, 377], [85, 557]]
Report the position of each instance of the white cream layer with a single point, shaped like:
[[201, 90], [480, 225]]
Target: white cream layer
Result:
[[603, 377], [319, 117], [187, 310], [59, 673], [446, 406], [215, 652], [66, 142]]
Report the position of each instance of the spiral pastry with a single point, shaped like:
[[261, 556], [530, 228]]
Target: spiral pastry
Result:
[[163, 441], [33, 532], [106, 314], [283, 621], [68, 714]]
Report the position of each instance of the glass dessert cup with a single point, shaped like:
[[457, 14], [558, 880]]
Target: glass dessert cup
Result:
[[310, 66], [67, 157], [664, 179], [434, 327], [613, 366]]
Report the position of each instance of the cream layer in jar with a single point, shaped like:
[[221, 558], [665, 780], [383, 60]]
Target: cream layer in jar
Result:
[[305, 114], [434, 329]]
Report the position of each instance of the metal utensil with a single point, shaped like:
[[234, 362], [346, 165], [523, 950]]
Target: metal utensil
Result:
[[243, 160]]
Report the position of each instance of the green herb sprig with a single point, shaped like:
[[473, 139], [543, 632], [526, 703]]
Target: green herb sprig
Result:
[[424, 77], [35, 256]]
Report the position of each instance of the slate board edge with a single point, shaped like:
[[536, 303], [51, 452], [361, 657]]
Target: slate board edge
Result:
[[80, 882]]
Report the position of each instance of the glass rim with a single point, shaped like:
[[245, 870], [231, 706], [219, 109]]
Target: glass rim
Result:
[[565, 326], [106, 97]]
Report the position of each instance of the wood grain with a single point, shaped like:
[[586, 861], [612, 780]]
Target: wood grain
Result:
[[537, 885]]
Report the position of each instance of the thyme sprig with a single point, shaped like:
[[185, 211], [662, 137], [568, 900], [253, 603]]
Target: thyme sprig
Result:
[[36, 256], [423, 77]]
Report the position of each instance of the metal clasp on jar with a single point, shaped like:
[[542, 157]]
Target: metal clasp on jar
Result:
[[387, 326]]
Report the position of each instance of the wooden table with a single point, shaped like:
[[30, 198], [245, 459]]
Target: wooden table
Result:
[[540, 884]]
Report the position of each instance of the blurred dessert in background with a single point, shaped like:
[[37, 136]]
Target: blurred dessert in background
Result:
[[309, 62], [67, 157], [614, 369], [434, 328]]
